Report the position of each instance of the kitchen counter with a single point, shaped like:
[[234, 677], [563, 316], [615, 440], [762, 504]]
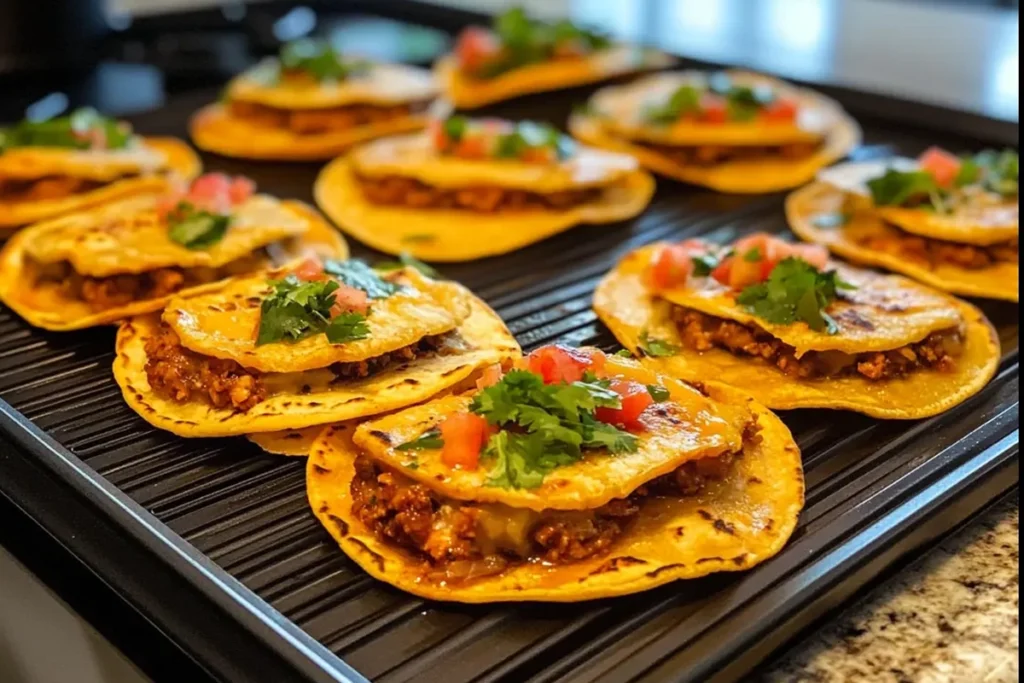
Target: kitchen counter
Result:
[[952, 617]]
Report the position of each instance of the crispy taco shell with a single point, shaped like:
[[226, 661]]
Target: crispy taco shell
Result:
[[817, 204], [292, 442], [732, 525], [46, 305], [213, 129], [744, 176], [288, 404], [447, 235], [624, 303], [471, 93], [179, 161]]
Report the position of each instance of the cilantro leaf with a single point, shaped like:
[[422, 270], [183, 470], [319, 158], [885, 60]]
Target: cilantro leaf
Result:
[[898, 188], [684, 100], [195, 229], [624, 353], [659, 393], [703, 264], [83, 128], [347, 327], [601, 435], [455, 127], [795, 290], [295, 310], [752, 256], [655, 348], [999, 171], [427, 440], [356, 273], [320, 60]]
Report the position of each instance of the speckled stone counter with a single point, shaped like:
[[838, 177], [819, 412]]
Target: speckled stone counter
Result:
[[952, 617]]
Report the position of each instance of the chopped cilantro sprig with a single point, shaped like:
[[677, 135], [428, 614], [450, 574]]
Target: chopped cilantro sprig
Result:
[[195, 228], [83, 128], [319, 60], [795, 290]]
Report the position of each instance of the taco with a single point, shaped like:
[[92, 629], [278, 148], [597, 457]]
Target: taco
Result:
[[312, 102], [731, 131], [578, 477], [520, 55], [469, 188], [130, 257], [69, 163], [950, 222], [797, 330], [304, 345]]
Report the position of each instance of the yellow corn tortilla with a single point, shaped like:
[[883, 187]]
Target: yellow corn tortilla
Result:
[[691, 428], [291, 442], [128, 236], [622, 111], [987, 219], [46, 305], [303, 399], [749, 176], [472, 93], [818, 202], [447, 235], [624, 303], [213, 129], [222, 324], [731, 526], [157, 161]]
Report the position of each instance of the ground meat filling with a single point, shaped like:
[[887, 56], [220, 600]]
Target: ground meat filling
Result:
[[183, 375], [712, 155], [50, 187], [312, 121], [446, 534], [408, 192], [940, 252], [702, 332]]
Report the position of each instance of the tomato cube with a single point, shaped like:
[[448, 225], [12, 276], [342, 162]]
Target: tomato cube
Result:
[[671, 267], [635, 399], [557, 363], [943, 165], [464, 436], [475, 47], [782, 110]]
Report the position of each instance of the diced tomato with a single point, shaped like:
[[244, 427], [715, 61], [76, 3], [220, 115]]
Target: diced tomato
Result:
[[240, 189], [309, 270], [781, 110], [941, 164], [714, 109], [671, 267], [475, 47], [490, 376], [349, 299], [472, 147], [597, 359], [635, 399], [464, 436], [209, 185], [723, 271], [815, 254], [557, 363], [538, 155], [438, 138]]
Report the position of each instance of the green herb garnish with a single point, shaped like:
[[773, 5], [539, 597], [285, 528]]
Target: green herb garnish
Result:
[[704, 264], [655, 348], [545, 426], [295, 310], [196, 229], [356, 273], [898, 188], [659, 393], [319, 59], [752, 256], [685, 100], [455, 127], [428, 439], [82, 129], [407, 260], [998, 171], [623, 353], [795, 290], [347, 327]]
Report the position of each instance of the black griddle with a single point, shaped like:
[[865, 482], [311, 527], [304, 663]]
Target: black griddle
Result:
[[211, 543]]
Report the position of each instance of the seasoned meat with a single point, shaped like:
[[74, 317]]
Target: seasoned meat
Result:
[[120, 290], [449, 537], [183, 375], [702, 332], [310, 121], [939, 252], [40, 189], [710, 155], [399, 191], [424, 347]]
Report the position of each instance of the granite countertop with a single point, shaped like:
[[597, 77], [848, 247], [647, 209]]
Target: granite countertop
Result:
[[952, 617]]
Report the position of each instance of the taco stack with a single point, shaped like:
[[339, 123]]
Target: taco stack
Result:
[[731, 131], [304, 345], [949, 221], [312, 102], [797, 330], [52, 167], [129, 257], [576, 477], [520, 55], [468, 188]]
